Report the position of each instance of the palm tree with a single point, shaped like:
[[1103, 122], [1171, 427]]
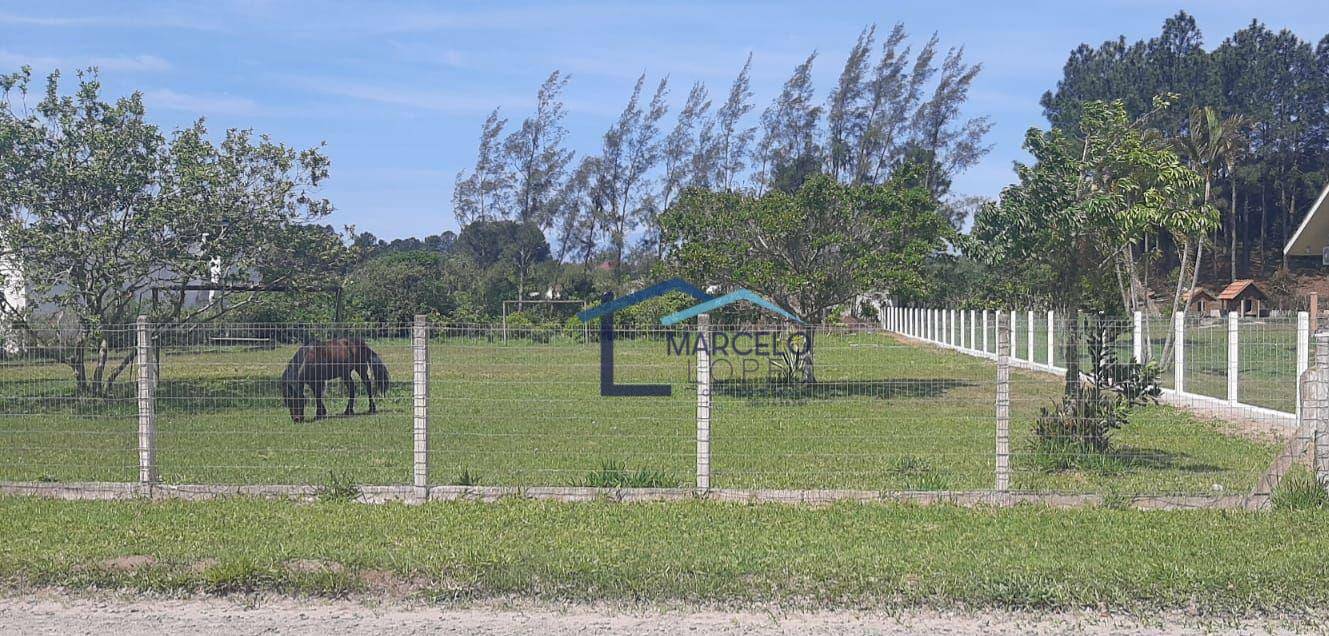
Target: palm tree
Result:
[[1210, 144], [1234, 146]]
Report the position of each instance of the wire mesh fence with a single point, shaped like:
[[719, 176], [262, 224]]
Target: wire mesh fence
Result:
[[1225, 403], [785, 407]]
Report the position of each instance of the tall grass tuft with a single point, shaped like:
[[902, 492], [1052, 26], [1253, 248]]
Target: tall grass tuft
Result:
[[613, 474], [1299, 491]]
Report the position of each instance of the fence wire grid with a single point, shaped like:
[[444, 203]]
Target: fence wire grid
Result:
[[907, 406]]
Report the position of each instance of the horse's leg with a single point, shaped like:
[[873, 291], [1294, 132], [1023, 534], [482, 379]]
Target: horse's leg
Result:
[[322, 411], [349, 382], [369, 387]]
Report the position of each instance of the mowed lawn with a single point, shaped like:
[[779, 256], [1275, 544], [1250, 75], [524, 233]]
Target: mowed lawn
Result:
[[883, 415], [847, 555]]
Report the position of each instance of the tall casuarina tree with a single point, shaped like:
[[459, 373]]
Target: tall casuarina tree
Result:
[[536, 158], [486, 193]]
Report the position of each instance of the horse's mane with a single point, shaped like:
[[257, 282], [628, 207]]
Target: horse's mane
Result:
[[291, 376]]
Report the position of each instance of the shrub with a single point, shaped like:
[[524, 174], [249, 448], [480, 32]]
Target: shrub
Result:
[[1084, 420]]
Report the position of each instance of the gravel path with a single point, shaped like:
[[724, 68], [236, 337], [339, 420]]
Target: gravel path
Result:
[[51, 613]]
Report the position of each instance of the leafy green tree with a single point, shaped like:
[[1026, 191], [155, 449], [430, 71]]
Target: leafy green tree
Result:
[[98, 207], [1091, 194], [396, 286], [810, 250], [505, 249]]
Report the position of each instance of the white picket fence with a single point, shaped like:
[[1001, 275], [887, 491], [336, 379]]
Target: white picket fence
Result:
[[968, 331]]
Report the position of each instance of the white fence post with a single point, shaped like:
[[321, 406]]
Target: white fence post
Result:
[[703, 404], [147, 404], [1303, 350], [1233, 356], [1179, 351], [985, 331], [962, 332], [973, 331], [1011, 328], [1030, 345], [420, 404], [944, 336], [1003, 445], [1052, 330], [954, 341], [1137, 337]]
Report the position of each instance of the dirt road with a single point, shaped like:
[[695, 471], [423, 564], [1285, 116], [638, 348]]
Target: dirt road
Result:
[[53, 613]]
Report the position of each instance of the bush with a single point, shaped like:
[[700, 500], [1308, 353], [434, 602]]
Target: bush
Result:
[[1084, 421]]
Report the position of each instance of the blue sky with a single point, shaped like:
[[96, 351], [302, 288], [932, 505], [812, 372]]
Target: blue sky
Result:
[[398, 90]]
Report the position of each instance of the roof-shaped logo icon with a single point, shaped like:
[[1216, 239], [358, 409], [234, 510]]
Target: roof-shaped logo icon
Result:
[[708, 302]]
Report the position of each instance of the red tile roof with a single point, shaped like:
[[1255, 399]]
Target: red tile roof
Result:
[[1236, 288]]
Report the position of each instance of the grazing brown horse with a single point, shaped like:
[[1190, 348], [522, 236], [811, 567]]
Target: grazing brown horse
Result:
[[316, 363]]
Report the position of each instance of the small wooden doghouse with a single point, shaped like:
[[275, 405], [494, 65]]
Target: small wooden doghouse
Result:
[[1200, 301], [1243, 297]]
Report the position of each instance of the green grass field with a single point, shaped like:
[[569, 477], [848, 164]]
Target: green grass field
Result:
[[884, 415], [848, 555], [1267, 354]]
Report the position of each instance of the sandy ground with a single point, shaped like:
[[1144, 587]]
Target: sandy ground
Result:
[[54, 613]]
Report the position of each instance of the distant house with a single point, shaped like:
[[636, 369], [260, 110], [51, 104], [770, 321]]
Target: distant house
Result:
[[1200, 301], [1243, 297], [1312, 237]]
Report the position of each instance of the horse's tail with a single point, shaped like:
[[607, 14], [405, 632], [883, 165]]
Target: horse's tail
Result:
[[380, 372]]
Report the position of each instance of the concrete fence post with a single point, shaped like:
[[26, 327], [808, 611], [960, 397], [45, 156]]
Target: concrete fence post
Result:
[[985, 331], [703, 404], [1003, 406], [1052, 331], [1030, 344], [1321, 389], [420, 403], [1233, 356], [147, 403], [1303, 349], [1179, 351], [1137, 337]]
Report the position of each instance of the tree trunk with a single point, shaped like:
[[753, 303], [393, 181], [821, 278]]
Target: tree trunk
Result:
[[1177, 302], [1071, 351], [809, 372], [1232, 222]]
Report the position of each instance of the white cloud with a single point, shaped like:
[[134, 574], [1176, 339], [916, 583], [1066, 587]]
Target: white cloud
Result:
[[138, 63], [443, 101], [128, 64], [211, 105], [153, 20]]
